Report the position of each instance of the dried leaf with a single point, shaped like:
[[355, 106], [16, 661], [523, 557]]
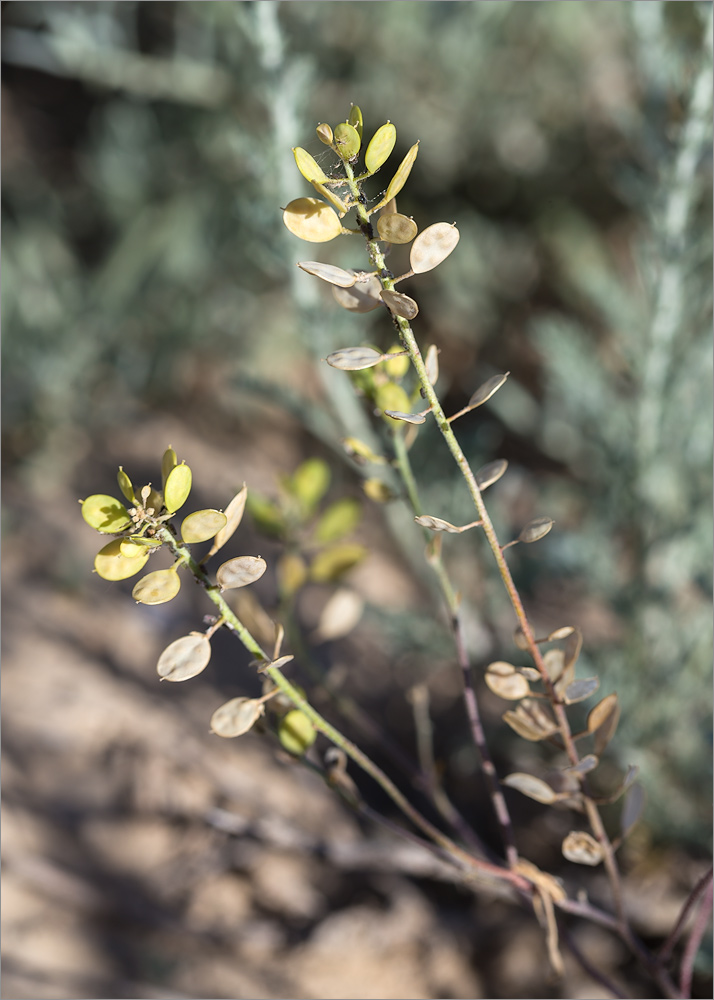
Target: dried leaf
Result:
[[354, 359], [580, 690], [485, 391], [533, 787], [505, 681], [234, 515], [489, 474], [236, 717], [432, 246], [328, 272], [184, 658], [582, 849], [399, 304], [536, 529], [240, 572]]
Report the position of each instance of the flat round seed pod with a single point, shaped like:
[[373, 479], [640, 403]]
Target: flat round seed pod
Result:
[[105, 513], [312, 219], [396, 228], [534, 788], [536, 529], [354, 359], [491, 473], [158, 587], [433, 245], [184, 658], [328, 272], [399, 304], [403, 170], [347, 140], [485, 391], [178, 487], [236, 717], [296, 733], [308, 166], [380, 146], [362, 297], [202, 525], [111, 564], [240, 572]]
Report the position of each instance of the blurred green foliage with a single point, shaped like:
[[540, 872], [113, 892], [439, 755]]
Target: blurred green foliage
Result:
[[147, 152]]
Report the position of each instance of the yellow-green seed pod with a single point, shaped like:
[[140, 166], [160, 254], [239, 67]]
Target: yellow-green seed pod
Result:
[[403, 170], [397, 367], [296, 733], [330, 564], [292, 573], [324, 133], [184, 658], [309, 483], [347, 140], [202, 525], [355, 119], [378, 491], [308, 166], [168, 462], [380, 146], [158, 587], [177, 488], [111, 564], [396, 228], [312, 220], [125, 486], [105, 514], [339, 520], [391, 396]]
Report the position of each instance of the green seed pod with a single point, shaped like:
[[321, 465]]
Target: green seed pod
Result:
[[296, 733], [105, 514], [391, 396], [202, 525], [400, 178], [309, 483], [330, 564], [380, 146], [312, 220], [396, 228], [158, 587], [324, 133], [125, 486], [339, 520], [347, 140], [240, 572], [355, 119], [184, 658], [168, 462], [308, 166], [177, 488], [111, 563]]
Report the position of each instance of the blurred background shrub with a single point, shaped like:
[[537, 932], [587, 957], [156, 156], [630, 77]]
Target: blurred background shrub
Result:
[[146, 154]]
